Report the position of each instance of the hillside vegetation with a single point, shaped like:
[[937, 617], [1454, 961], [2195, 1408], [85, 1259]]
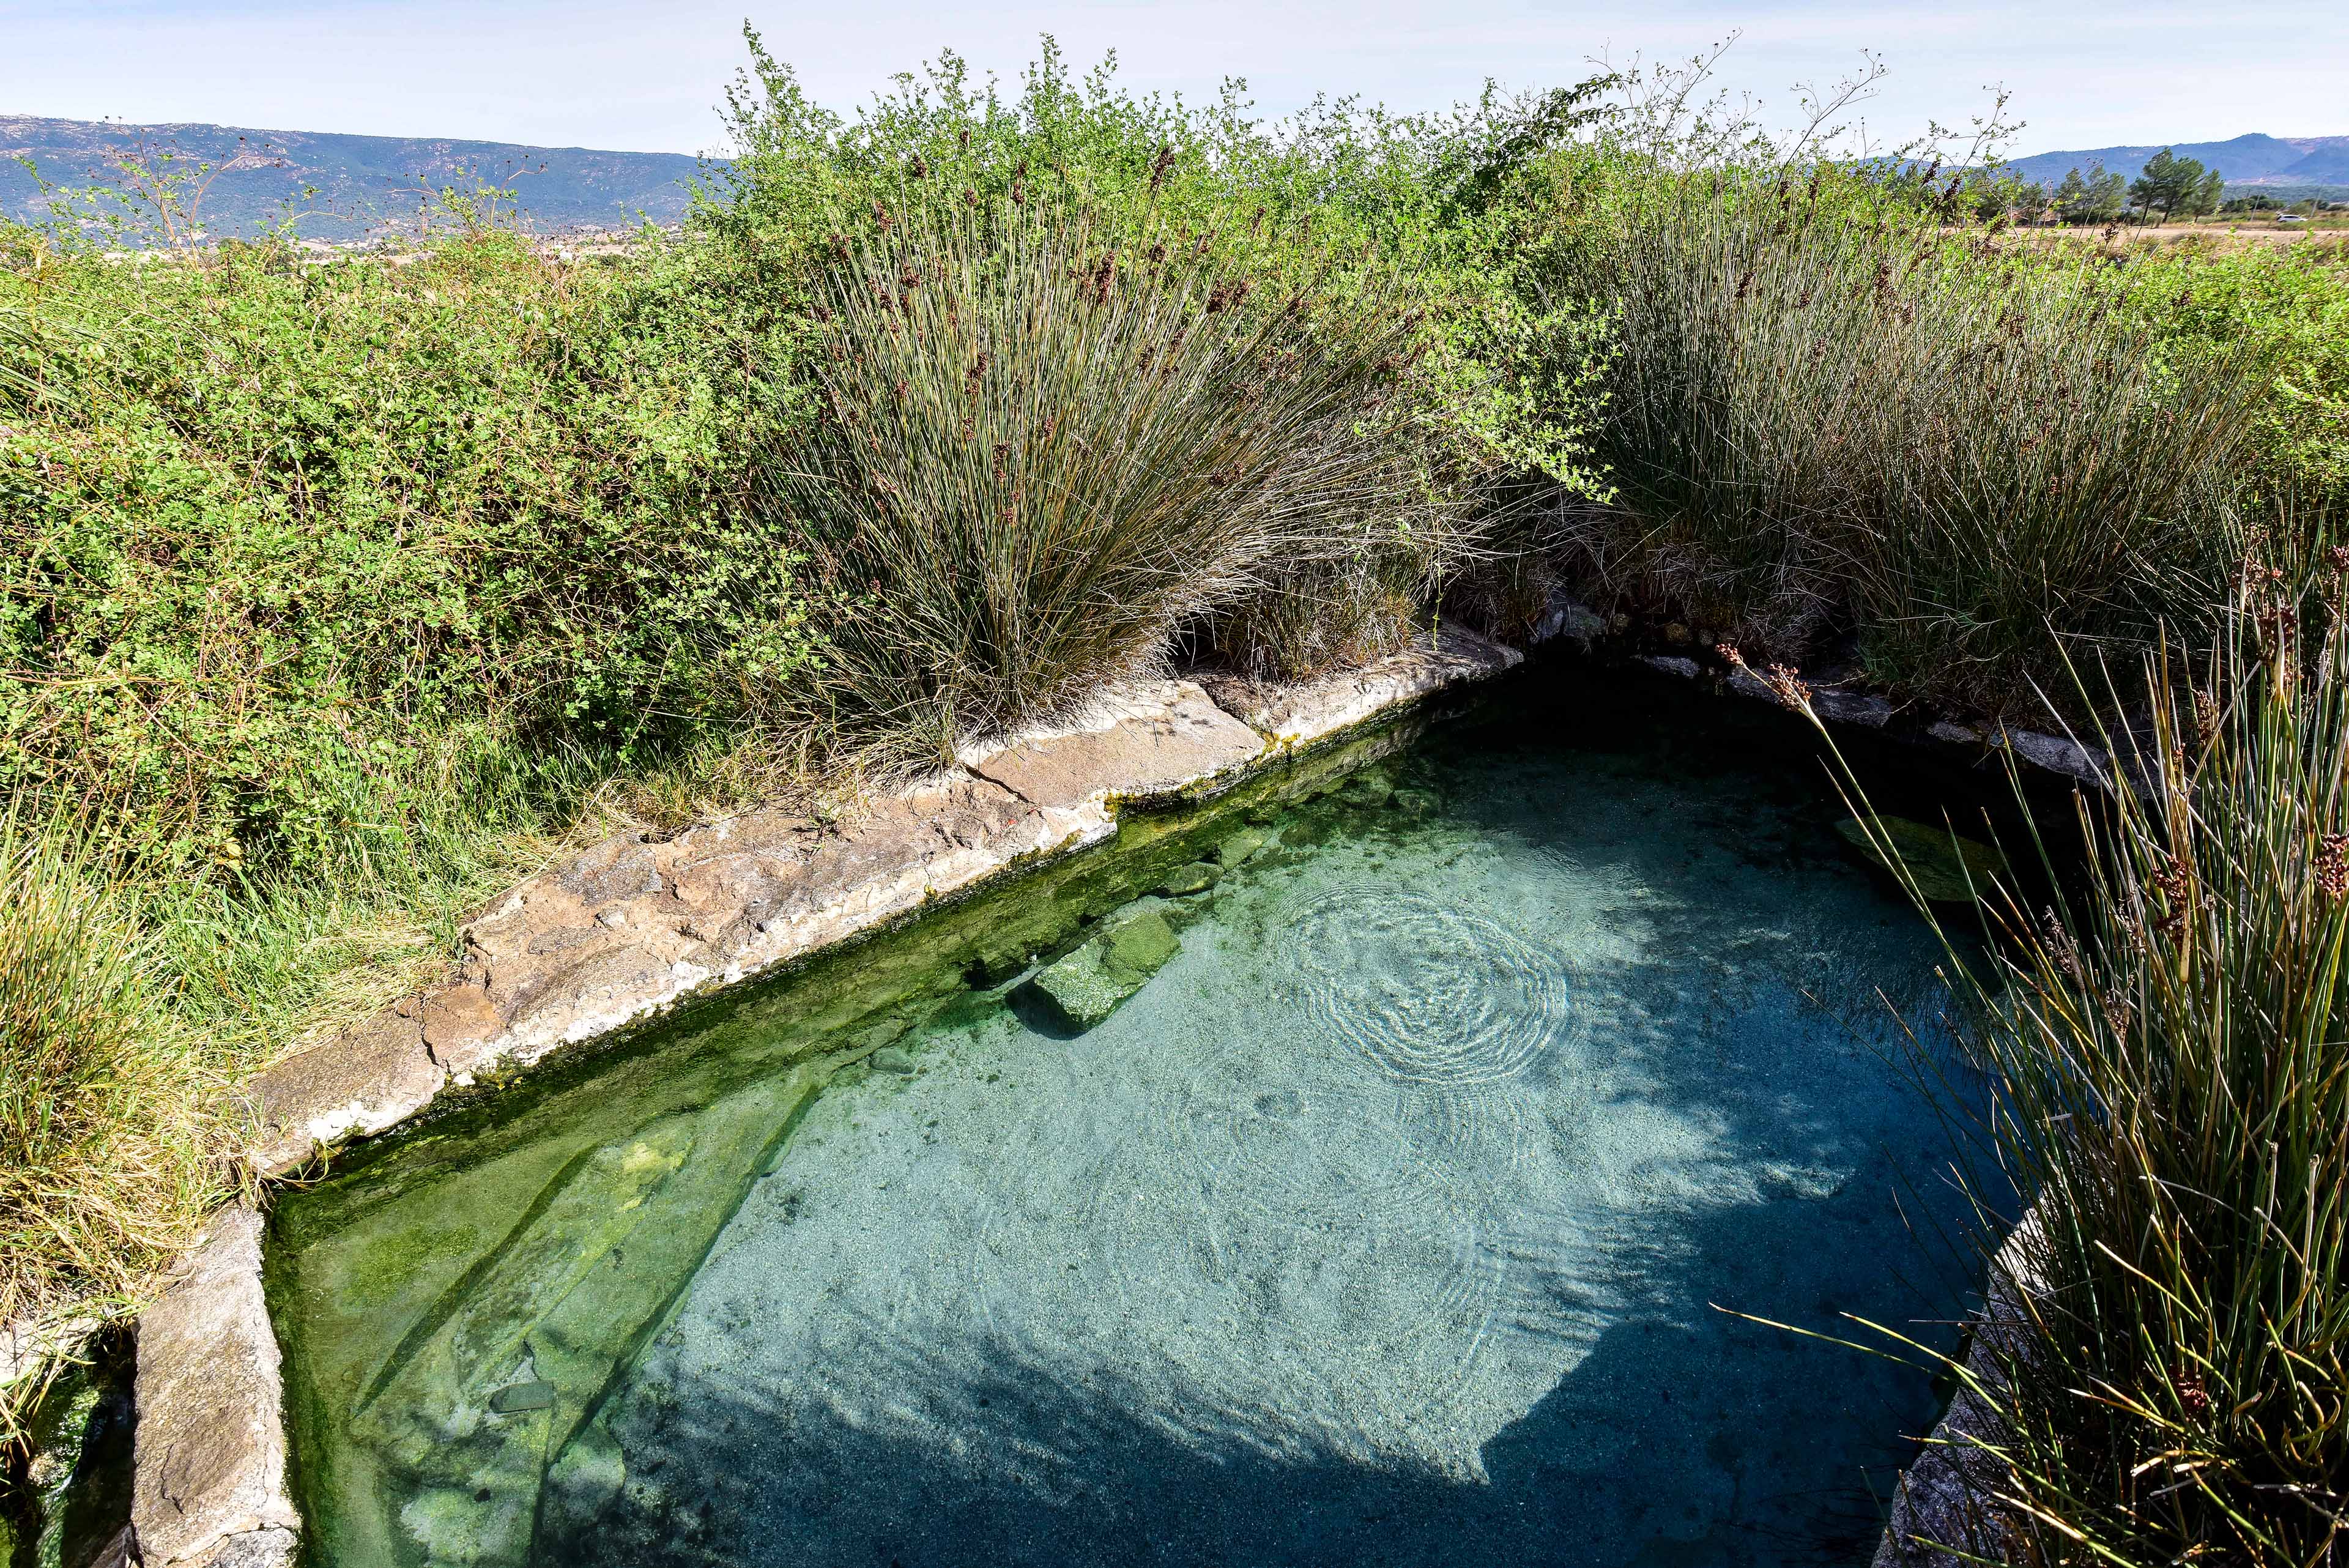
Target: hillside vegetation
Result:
[[339, 592]]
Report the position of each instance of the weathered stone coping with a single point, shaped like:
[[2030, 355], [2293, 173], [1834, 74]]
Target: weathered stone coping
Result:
[[636, 926], [1938, 1517], [210, 1459]]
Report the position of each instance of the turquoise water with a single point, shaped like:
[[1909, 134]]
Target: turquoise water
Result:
[[1388, 1224]]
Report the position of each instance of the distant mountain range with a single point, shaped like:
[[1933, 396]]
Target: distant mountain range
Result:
[[362, 181], [2255, 161]]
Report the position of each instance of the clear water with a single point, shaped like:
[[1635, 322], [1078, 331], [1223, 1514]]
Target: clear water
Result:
[[1390, 1223]]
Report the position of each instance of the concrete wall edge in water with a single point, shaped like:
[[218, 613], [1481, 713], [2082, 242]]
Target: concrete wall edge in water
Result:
[[1941, 1515]]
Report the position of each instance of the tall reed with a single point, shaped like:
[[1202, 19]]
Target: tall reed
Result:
[[1053, 441], [2040, 483], [2168, 1088], [1833, 416], [1742, 323]]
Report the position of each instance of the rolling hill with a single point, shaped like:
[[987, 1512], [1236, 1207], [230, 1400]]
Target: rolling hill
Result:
[[362, 183], [2255, 161]]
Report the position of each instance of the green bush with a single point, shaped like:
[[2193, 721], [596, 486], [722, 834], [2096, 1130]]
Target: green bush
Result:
[[2287, 306], [302, 536]]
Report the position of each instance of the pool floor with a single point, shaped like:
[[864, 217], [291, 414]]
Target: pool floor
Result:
[[1391, 1222]]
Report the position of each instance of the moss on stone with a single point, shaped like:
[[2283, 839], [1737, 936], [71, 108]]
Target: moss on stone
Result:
[[1196, 877], [533, 1234], [1083, 988], [1945, 867]]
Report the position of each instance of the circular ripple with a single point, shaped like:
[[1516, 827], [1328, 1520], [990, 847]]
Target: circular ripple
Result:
[[1433, 992]]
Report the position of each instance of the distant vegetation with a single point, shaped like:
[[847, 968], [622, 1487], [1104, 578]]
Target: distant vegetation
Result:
[[2304, 165], [339, 589]]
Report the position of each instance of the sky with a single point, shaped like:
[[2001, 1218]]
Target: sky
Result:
[[646, 76]]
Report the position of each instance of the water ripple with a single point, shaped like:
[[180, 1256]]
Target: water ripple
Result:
[[1432, 991]]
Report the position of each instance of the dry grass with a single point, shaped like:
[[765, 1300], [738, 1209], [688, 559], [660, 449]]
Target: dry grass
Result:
[[116, 1135]]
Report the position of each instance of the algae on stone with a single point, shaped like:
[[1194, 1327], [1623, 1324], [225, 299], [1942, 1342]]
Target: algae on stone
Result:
[[75, 1500], [1239, 846], [1196, 877], [538, 1236], [1086, 986], [1946, 867]]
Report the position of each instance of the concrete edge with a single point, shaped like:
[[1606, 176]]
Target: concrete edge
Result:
[[208, 1485], [1942, 1513]]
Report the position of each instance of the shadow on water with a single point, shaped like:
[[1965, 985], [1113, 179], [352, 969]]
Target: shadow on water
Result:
[[1661, 1448]]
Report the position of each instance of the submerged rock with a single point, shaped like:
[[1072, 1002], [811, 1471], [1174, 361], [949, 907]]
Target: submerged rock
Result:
[[1240, 846], [1813, 1182], [520, 1396], [1085, 987], [1196, 877], [1373, 786], [1947, 868], [1416, 802], [894, 1059]]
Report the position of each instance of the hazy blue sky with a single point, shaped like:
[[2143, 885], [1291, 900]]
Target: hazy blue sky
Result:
[[644, 75]]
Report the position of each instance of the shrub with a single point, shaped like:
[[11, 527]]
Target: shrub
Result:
[[2287, 307], [304, 532]]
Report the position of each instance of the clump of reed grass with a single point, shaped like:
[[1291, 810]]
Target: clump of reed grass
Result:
[[2042, 484], [1742, 324], [1054, 442], [1831, 415], [113, 1135], [2167, 1089]]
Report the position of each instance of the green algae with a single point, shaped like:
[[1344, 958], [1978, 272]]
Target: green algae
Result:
[[72, 1496], [535, 1235], [1946, 867]]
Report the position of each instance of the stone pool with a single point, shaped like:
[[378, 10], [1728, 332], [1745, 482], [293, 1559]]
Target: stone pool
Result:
[[1390, 1222]]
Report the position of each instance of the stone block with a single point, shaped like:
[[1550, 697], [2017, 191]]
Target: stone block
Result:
[[209, 1486], [369, 1077], [1082, 989], [1301, 713], [1140, 739], [460, 1025]]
